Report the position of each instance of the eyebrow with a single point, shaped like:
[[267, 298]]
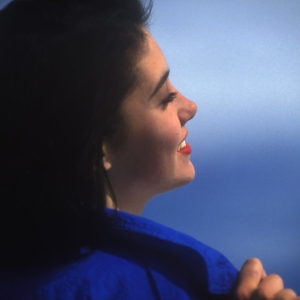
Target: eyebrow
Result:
[[160, 83]]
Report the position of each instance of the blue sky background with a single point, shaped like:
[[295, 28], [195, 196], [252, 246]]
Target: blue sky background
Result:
[[240, 62]]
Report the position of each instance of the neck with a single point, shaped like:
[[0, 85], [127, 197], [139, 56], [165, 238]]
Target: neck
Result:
[[132, 206]]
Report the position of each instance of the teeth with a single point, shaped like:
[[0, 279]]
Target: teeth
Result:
[[182, 145]]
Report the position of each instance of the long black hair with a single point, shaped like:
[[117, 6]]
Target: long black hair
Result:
[[65, 68]]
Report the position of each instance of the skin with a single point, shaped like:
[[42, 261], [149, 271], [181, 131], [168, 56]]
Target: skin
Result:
[[148, 162], [253, 283]]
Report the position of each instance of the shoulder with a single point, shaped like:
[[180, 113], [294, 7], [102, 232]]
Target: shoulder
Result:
[[135, 259], [99, 273], [173, 252]]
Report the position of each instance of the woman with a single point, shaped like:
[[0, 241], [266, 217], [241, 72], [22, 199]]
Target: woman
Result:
[[91, 120]]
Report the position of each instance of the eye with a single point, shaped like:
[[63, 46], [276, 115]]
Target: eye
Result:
[[168, 99]]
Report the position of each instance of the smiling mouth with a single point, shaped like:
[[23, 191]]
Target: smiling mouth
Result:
[[184, 148]]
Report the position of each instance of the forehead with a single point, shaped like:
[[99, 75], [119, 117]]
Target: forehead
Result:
[[152, 64]]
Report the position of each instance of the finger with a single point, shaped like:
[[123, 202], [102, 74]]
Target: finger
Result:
[[269, 287], [251, 274], [286, 294]]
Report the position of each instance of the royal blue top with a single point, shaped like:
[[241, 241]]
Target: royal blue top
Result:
[[136, 259]]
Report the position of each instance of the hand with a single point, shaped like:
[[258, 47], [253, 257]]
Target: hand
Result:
[[254, 284]]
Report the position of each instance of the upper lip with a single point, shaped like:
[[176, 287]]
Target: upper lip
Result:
[[186, 134]]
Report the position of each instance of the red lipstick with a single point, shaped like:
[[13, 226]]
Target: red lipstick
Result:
[[186, 150]]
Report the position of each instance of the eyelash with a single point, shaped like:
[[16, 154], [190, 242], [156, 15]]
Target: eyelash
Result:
[[169, 99]]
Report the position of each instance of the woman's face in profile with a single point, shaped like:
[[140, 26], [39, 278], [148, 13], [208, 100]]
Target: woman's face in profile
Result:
[[153, 159]]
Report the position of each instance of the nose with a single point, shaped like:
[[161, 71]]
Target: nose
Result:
[[186, 109]]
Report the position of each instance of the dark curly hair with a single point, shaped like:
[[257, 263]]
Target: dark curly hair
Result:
[[66, 66]]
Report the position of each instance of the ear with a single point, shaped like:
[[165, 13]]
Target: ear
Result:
[[106, 160]]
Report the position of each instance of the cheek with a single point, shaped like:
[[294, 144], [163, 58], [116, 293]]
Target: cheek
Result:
[[158, 136], [154, 149]]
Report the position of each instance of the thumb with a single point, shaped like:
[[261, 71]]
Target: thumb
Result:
[[251, 274]]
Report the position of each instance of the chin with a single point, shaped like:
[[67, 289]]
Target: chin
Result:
[[185, 179]]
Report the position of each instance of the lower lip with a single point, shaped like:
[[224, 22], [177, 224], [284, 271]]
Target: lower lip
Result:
[[186, 150]]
